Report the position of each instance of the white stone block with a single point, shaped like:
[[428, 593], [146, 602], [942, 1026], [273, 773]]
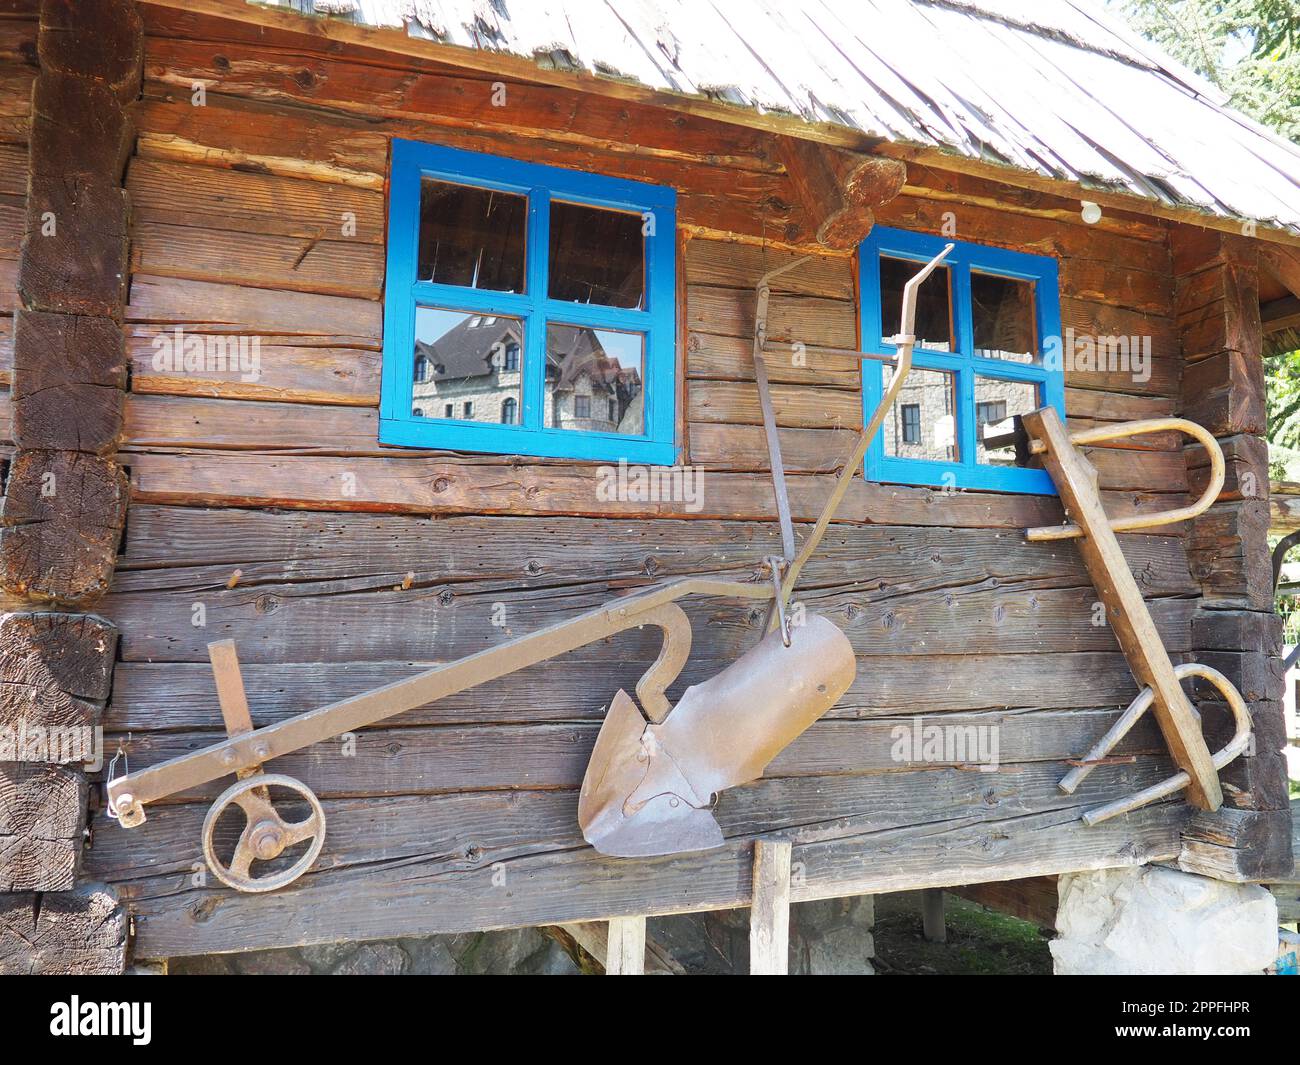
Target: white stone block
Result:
[[1147, 920]]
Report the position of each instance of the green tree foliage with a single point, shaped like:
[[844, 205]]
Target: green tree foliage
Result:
[[1248, 48], [1251, 50]]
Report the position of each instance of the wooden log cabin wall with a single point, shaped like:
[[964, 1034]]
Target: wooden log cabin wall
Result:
[[65, 493], [264, 510]]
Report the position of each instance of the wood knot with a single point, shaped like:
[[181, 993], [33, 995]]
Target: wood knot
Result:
[[266, 603], [441, 484]]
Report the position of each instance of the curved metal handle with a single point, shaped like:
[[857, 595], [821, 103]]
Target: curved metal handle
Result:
[[1142, 521], [672, 658], [1239, 742], [903, 344]]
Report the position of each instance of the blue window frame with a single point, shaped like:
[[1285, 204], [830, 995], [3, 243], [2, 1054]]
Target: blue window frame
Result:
[[530, 424], [964, 450]]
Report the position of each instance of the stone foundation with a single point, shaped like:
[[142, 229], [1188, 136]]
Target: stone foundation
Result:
[[1154, 921]]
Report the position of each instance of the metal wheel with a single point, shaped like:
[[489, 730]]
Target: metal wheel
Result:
[[266, 835]]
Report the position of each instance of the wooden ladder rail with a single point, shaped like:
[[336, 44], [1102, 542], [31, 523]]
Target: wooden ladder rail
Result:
[[1076, 481]]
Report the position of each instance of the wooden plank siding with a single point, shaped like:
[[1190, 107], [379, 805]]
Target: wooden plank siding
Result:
[[240, 528]]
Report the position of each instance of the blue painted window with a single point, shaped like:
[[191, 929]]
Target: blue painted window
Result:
[[988, 329], [529, 310]]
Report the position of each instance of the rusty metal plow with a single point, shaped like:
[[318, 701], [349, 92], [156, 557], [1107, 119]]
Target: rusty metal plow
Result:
[[266, 835], [1129, 618], [655, 770]]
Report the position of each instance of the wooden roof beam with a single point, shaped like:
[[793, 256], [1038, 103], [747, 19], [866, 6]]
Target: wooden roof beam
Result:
[[840, 190], [335, 36], [1283, 263], [1277, 315]]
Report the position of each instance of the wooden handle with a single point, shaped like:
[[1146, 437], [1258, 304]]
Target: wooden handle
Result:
[[1141, 521]]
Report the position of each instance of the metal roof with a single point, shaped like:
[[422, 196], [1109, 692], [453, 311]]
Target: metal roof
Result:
[[1054, 87]]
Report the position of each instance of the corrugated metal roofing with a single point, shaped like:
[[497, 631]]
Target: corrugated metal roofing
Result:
[[1056, 87]]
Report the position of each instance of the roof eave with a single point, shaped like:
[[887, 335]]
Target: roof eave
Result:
[[399, 42]]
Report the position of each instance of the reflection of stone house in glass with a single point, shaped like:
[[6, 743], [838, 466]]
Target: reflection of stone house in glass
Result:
[[587, 388], [473, 373], [922, 423]]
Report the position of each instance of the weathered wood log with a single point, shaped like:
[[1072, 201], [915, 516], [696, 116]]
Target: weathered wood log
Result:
[[179, 695], [42, 816], [69, 377], [1246, 468], [189, 548], [181, 195], [1284, 507], [427, 94], [208, 307], [435, 865], [74, 257], [302, 623], [839, 190], [55, 670], [769, 912], [733, 264], [1238, 630], [1217, 303], [63, 515], [290, 370], [302, 264], [99, 39], [1227, 549], [805, 319], [81, 932], [1239, 845], [453, 758], [1032, 899], [1061, 233], [461, 485], [1224, 391], [79, 126]]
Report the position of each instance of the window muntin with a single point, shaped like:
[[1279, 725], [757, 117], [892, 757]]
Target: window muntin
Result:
[[984, 322], [572, 296]]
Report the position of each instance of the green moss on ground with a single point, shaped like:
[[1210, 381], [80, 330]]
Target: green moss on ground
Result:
[[980, 942]]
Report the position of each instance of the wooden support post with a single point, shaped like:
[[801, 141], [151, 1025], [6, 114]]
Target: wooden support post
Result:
[[769, 914], [932, 923], [1235, 631], [625, 947], [66, 494], [1126, 610]]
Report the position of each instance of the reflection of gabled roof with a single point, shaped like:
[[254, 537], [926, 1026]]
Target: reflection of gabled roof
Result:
[[1058, 88], [572, 351], [466, 350]]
